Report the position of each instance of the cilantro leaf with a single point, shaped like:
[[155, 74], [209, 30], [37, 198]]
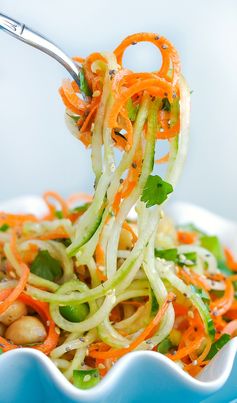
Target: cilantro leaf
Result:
[[84, 87], [45, 266], [1, 351], [58, 214], [173, 256], [4, 227], [217, 346], [222, 266], [155, 191], [167, 254], [190, 259], [212, 244]]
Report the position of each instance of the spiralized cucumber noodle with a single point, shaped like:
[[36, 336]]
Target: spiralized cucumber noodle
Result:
[[122, 282]]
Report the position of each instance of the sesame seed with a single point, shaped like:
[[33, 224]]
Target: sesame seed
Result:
[[112, 73], [191, 314], [121, 180], [87, 378], [101, 366], [164, 46], [215, 313], [171, 300], [96, 93], [194, 362], [162, 130], [48, 323], [134, 43], [134, 165], [156, 37], [188, 262], [112, 167], [82, 339], [101, 268], [57, 330], [148, 342]]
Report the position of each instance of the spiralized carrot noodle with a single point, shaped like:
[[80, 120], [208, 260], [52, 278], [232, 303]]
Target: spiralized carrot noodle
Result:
[[7, 300], [59, 199], [163, 159], [109, 274], [78, 59], [168, 52], [81, 196]]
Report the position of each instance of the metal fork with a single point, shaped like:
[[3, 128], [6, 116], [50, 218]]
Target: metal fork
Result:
[[23, 33]]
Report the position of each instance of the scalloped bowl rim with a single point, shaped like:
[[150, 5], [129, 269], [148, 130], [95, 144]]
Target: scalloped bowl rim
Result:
[[120, 367]]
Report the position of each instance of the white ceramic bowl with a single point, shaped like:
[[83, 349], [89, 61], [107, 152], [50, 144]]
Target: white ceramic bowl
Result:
[[29, 376]]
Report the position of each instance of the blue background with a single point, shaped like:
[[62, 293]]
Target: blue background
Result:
[[38, 153]]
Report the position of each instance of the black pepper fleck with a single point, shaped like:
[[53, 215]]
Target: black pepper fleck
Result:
[[112, 73]]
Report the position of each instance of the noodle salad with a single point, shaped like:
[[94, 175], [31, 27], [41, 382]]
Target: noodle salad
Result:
[[88, 283]]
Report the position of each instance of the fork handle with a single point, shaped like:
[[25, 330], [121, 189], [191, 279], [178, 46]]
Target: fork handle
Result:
[[25, 34]]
